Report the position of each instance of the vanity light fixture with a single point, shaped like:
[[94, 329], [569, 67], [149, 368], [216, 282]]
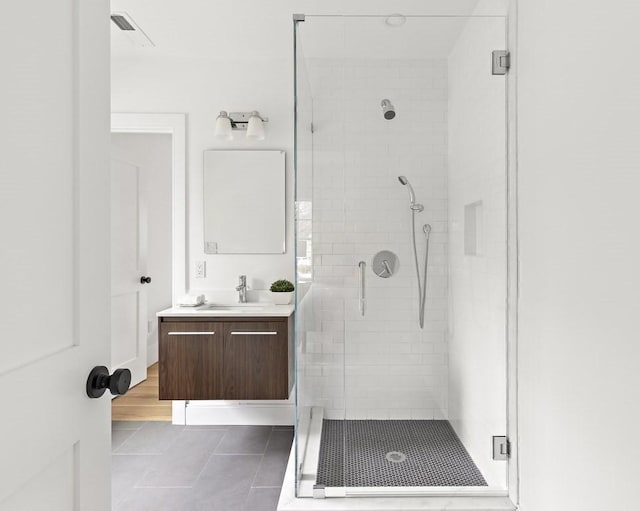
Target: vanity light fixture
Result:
[[251, 122]]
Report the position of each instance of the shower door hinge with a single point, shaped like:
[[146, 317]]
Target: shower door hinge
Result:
[[298, 17], [500, 62], [501, 448]]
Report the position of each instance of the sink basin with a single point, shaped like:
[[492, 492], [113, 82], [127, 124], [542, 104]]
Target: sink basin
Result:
[[237, 308], [235, 311]]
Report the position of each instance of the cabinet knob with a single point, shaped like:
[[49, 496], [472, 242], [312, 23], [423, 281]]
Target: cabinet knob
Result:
[[99, 381], [145, 280]]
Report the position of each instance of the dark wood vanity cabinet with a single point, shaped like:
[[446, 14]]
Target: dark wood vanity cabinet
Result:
[[222, 358], [190, 360], [256, 360]]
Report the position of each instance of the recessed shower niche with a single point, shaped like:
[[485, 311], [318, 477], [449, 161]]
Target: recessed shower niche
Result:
[[473, 228], [386, 378]]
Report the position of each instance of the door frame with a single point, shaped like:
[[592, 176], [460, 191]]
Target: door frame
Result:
[[174, 125]]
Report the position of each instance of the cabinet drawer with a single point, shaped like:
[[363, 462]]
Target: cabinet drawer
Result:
[[190, 360], [256, 360]]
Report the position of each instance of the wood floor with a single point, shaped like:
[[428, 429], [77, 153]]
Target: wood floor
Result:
[[141, 402]]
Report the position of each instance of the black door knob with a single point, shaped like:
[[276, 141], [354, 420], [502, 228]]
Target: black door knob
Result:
[[99, 381], [145, 280]]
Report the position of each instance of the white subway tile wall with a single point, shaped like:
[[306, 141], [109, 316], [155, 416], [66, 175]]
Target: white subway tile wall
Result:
[[380, 365]]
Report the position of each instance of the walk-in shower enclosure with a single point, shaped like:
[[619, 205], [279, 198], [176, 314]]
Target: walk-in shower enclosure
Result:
[[383, 405]]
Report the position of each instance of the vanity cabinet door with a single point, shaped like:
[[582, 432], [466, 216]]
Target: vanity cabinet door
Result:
[[190, 360], [256, 360]]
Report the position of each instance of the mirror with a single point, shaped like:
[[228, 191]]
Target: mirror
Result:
[[244, 202]]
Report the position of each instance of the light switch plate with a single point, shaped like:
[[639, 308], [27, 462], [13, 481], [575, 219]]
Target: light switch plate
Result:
[[201, 269]]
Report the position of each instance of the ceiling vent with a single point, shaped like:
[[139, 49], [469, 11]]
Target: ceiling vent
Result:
[[131, 30], [121, 22]]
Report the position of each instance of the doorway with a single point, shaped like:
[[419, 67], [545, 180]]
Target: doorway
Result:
[[153, 144], [141, 265]]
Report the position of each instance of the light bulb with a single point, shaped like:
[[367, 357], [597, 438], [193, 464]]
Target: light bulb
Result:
[[223, 126], [255, 129]]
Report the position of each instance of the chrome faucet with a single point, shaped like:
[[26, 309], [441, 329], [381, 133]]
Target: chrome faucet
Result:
[[241, 288]]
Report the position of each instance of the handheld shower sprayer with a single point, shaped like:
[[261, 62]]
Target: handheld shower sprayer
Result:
[[412, 195], [426, 229]]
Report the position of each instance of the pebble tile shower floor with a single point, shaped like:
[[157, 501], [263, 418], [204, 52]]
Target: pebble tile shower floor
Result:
[[369, 453], [161, 467]]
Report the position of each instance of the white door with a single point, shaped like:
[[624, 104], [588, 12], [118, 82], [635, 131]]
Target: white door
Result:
[[128, 268], [54, 254]]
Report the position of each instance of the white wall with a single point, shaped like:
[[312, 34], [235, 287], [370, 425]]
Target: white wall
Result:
[[153, 153], [393, 368], [201, 65], [202, 89], [579, 179], [477, 281]]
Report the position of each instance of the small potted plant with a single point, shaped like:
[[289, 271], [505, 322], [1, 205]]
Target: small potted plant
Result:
[[282, 292]]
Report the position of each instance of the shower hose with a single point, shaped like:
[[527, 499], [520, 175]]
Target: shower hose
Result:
[[422, 283]]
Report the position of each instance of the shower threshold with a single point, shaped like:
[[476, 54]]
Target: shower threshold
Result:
[[297, 493]]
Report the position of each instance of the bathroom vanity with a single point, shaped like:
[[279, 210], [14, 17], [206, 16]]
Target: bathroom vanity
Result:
[[226, 352]]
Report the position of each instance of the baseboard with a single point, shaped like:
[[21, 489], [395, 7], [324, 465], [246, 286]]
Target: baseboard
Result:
[[253, 413], [152, 354]]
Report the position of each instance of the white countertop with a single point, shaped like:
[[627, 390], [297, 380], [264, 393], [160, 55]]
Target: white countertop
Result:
[[230, 310]]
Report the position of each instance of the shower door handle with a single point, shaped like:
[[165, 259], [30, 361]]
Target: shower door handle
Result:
[[362, 294]]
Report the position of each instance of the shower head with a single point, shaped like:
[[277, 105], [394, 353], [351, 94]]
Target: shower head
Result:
[[388, 110], [412, 196]]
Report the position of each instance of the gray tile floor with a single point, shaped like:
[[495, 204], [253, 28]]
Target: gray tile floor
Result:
[[161, 467]]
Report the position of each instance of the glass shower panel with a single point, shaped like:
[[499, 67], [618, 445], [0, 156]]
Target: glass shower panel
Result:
[[407, 139], [319, 295]]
